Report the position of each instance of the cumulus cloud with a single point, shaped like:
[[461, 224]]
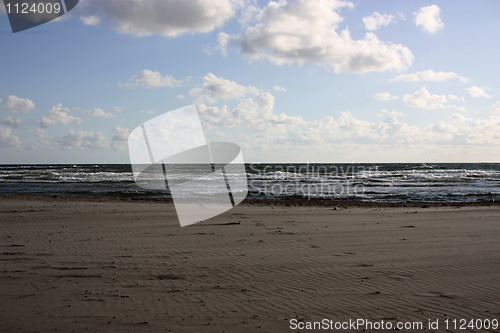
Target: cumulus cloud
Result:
[[169, 18], [120, 138], [256, 114], [254, 108], [248, 15], [251, 120], [99, 113], [428, 18], [453, 97], [58, 115], [120, 133], [377, 20], [279, 88], [391, 114], [83, 139], [477, 131], [11, 121], [17, 105], [216, 88], [8, 139], [151, 79], [423, 99], [477, 92], [222, 41], [385, 96], [496, 107], [41, 135], [430, 75], [150, 112], [303, 31], [90, 20]]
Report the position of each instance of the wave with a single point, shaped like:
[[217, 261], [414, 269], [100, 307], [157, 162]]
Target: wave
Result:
[[389, 182]]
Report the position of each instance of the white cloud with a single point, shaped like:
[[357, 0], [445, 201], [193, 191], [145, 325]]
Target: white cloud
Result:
[[90, 20], [17, 105], [248, 15], [120, 133], [41, 135], [477, 131], [8, 139], [83, 139], [255, 113], [99, 113], [120, 138], [477, 92], [423, 99], [452, 97], [304, 31], [377, 20], [58, 115], [391, 114], [247, 116], [385, 96], [496, 107], [215, 88], [428, 18], [279, 88], [169, 18], [222, 41], [254, 109], [151, 79], [11, 121], [283, 132], [149, 112], [430, 75]]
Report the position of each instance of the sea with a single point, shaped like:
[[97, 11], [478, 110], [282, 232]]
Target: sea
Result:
[[372, 182]]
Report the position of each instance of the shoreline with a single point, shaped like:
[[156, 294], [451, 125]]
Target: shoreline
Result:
[[261, 202]]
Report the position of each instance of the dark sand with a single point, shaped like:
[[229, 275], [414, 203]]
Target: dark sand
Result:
[[77, 264]]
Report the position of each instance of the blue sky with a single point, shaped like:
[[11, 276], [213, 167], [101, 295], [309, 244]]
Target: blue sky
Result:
[[289, 81]]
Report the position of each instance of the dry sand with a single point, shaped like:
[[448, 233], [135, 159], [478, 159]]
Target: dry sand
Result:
[[116, 265]]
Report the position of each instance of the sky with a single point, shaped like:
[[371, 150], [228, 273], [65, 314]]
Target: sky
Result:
[[288, 81]]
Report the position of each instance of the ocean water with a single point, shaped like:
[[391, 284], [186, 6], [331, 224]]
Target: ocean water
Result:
[[391, 182]]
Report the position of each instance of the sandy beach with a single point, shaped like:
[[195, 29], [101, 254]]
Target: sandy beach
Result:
[[106, 265]]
